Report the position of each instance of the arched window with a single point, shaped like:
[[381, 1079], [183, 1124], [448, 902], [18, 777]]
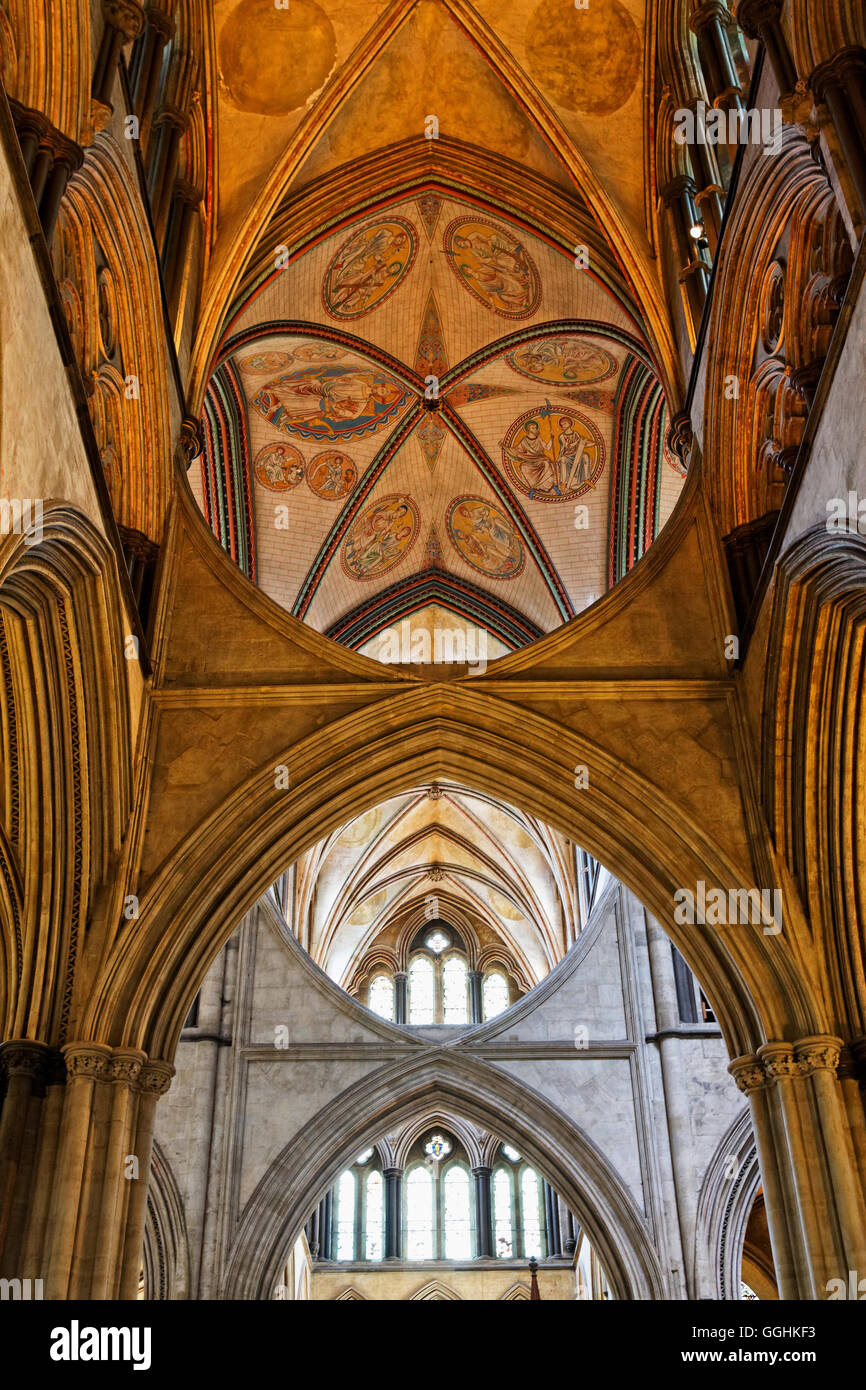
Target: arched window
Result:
[[420, 1214], [457, 1213], [503, 1221], [374, 1216], [531, 1212], [494, 993], [380, 997], [346, 1216], [358, 1229], [455, 990], [519, 1225], [422, 991]]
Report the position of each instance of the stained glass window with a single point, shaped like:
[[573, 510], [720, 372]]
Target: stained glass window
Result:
[[530, 1203], [422, 1000], [455, 998], [381, 996], [438, 1147], [362, 1158], [436, 941], [346, 1216], [457, 1214], [419, 1214], [503, 1233], [494, 993], [374, 1217], [747, 1292], [511, 1153]]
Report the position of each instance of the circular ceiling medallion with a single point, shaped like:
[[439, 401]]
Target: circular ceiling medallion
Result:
[[279, 467], [587, 61], [494, 267], [331, 475], [331, 403], [553, 454], [565, 361], [773, 307], [381, 537], [266, 362], [369, 267], [485, 537], [271, 59]]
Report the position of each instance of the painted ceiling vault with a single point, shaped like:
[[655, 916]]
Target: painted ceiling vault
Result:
[[435, 397]]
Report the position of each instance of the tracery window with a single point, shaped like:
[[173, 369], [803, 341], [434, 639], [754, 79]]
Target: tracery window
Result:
[[422, 991], [437, 987], [359, 1211], [380, 996], [374, 1216], [457, 1214], [519, 1226], [503, 1216], [420, 1214], [494, 993], [438, 980], [346, 1216], [455, 987]]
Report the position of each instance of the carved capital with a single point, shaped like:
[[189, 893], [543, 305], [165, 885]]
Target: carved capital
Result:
[[161, 22], [712, 12], [126, 16], [818, 1053], [747, 1073], [756, 16], [778, 1061], [681, 436], [87, 1059], [190, 443], [175, 118], [155, 1078], [23, 1057], [676, 188], [848, 66], [126, 1064]]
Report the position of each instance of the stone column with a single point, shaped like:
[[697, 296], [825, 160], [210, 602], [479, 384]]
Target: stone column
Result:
[[20, 1065], [840, 84], [172, 124], [483, 1212], [709, 23], [401, 997], [153, 1081], [813, 1192], [761, 19], [678, 197], [551, 1211], [124, 21], [476, 1003], [325, 1214], [393, 1213], [159, 31]]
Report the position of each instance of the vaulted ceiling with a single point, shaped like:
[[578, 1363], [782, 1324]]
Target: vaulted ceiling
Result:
[[439, 851], [434, 389]]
